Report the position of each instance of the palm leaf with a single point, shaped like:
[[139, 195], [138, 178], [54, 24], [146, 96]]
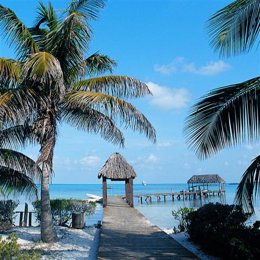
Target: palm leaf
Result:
[[88, 8], [10, 71], [113, 106], [249, 186], [16, 33], [44, 69], [68, 43], [92, 121], [119, 86], [225, 117], [17, 136], [235, 28], [98, 63], [19, 162], [15, 181]]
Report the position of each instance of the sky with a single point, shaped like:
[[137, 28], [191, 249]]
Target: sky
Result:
[[165, 44]]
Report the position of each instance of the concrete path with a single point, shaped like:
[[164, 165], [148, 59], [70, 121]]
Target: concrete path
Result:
[[127, 234]]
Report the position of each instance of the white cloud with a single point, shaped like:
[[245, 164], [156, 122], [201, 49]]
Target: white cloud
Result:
[[90, 160], [212, 68], [168, 98], [180, 64], [164, 144], [152, 159]]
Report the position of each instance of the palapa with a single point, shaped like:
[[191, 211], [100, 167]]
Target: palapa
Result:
[[117, 168], [207, 178]]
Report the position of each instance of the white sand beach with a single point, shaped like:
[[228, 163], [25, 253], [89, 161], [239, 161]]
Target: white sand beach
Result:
[[80, 244]]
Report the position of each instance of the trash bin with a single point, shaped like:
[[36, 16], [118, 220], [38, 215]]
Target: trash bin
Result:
[[78, 220]]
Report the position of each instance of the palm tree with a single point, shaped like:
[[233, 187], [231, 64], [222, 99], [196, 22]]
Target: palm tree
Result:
[[230, 115], [47, 85]]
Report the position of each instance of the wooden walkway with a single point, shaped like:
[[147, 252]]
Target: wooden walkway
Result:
[[127, 234]]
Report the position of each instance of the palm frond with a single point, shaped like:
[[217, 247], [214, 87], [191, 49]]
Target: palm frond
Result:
[[98, 63], [10, 71], [44, 69], [19, 162], [16, 33], [114, 108], [248, 187], [15, 181], [225, 117], [88, 8], [68, 43], [18, 105], [46, 16], [17, 136], [235, 28], [92, 121], [119, 86]]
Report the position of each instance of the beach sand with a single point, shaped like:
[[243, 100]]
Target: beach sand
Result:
[[73, 243]]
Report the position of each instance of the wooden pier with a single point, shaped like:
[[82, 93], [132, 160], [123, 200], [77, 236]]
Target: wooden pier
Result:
[[181, 195], [127, 234]]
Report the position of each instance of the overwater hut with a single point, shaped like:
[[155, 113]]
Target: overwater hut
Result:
[[116, 168], [202, 182]]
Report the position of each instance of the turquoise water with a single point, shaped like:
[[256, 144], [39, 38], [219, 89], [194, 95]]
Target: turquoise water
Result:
[[159, 213]]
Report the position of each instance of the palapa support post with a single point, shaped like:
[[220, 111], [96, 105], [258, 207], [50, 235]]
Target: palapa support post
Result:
[[131, 195], [25, 219], [104, 188], [127, 190]]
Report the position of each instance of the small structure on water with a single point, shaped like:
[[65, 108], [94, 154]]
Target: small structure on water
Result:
[[202, 182], [117, 168]]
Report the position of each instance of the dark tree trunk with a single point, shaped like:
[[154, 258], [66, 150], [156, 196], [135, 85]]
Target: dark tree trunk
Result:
[[48, 233]]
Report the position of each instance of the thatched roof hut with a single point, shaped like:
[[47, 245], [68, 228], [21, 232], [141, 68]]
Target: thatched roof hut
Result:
[[117, 168], [207, 178]]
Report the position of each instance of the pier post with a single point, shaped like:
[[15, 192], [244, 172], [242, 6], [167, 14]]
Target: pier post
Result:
[[104, 187]]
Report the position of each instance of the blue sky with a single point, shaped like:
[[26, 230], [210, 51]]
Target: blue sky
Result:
[[164, 44]]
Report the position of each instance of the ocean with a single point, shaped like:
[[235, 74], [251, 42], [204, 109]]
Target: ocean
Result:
[[159, 213]]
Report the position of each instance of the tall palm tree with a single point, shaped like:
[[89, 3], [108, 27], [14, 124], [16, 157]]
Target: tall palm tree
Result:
[[230, 115], [52, 81]]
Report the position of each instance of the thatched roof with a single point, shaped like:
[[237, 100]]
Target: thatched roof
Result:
[[208, 178], [117, 168]]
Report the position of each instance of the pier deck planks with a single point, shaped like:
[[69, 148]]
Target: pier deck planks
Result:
[[127, 234]]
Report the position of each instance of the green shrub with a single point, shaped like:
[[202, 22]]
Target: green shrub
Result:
[[10, 250], [7, 208], [180, 215], [62, 209], [221, 230]]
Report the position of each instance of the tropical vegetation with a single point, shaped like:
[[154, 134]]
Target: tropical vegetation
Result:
[[62, 210], [52, 81], [230, 115], [221, 230]]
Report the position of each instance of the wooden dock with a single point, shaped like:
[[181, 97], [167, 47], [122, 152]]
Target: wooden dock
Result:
[[180, 195], [127, 234]]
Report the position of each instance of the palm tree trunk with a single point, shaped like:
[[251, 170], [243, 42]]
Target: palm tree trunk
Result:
[[48, 233]]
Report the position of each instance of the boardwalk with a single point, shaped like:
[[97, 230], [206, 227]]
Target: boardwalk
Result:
[[127, 234]]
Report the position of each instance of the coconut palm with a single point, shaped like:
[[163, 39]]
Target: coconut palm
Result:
[[52, 81], [230, 115]]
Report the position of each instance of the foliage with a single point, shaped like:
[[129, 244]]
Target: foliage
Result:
[[221, 230], [62, 209], [180, 215], [10, 250], [7, 208]]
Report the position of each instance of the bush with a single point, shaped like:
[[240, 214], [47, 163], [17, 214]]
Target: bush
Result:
[[221, 230], [62, 209], [10, 250], [180, 215], [7, 208]]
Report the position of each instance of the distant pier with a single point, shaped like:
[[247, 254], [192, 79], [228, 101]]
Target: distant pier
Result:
[[180, 195]]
